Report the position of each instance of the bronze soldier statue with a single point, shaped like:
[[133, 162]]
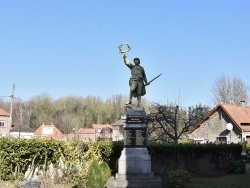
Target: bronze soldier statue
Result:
[[138, 79]]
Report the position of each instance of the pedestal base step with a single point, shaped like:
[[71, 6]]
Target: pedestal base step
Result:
[[134, 181]]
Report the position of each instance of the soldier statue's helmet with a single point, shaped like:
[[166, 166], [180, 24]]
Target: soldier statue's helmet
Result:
[[137, 59]]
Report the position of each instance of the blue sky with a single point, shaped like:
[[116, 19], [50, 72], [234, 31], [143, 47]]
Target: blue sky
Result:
[[67, 48]]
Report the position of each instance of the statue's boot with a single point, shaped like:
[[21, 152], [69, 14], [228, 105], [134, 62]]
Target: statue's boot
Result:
[[139, 100], [130, 99]]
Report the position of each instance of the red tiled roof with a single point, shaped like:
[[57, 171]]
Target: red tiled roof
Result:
[[86, 131], [238, 115], [4, 113], [102, 126], [51, 132]]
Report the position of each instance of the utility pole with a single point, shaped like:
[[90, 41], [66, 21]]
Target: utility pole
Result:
[[11, 107]]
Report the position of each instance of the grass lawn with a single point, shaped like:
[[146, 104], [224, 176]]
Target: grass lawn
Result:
[[229, 181], [9, 184]]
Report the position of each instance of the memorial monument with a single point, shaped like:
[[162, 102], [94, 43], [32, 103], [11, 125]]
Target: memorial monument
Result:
[[134, 165]]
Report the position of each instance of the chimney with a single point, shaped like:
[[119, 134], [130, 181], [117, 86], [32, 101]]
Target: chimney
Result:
[[243, 104]]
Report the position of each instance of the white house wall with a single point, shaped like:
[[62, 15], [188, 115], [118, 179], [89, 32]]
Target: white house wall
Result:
[[5, 131], [214, 127], [25, 135]]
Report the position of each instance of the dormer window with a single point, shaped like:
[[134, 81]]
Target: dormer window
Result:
[[246, 124]]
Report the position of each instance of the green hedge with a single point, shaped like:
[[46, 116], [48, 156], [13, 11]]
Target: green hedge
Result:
[[17, 154], [193, 149], [195, 158]]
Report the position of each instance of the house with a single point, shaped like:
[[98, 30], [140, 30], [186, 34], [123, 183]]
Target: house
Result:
[[85, 134], [5, 122], [21, 131], [103, 131], [118, 129], [49, 132], [224, 124], [97, 132]]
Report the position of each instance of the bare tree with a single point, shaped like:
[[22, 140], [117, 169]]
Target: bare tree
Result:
[[170, 123], [22, 113], [67, 113], [229, 90]]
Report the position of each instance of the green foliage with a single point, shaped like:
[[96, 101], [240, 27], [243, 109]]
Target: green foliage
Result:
[[174, 177], [248, 149], [165, 179], [98, 155], [5, 172], [116, 148], [237, 167], [16, 156], [178, 178], [198, 150], [74, 159], [98, 174], [191, 157]]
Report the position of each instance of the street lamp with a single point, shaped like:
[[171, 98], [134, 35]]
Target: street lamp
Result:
[[230, 127]]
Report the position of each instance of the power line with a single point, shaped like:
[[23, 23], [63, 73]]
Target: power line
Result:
[[5, 96]]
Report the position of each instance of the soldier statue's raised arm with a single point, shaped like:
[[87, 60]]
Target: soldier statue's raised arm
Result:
[[138, 79]]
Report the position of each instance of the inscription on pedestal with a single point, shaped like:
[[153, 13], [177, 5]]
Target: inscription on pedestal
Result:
[[139, 137], [128, 137], [135, 137], [134, 119]]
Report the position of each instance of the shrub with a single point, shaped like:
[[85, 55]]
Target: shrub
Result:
[[178, 178], [98, 174], [237, 167], [169, 167]]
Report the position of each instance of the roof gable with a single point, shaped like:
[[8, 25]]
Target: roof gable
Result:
[[86, 131], [48, 130], [4, 113], [237, 114]]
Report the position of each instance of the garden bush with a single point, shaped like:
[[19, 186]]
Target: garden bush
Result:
[[98, 174], [165, 179], [179, 178], [174, 177], [237, 167]]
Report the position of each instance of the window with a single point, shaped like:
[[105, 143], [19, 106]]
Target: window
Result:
[[199, 141], [47, 130], [222, 139], [1, 123]]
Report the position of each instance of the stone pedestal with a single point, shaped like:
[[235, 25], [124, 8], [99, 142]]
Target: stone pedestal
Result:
[[134, 167]]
